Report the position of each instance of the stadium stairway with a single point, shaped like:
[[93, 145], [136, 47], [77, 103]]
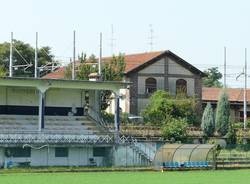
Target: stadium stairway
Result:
[[145, 150]]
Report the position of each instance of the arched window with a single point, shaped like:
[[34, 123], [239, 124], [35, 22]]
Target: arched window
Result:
[[181, 87], [151, 85]]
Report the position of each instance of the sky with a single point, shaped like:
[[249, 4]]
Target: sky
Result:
[[196, 30]]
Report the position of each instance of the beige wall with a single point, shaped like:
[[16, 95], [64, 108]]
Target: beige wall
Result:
[[190, 85], [157, 67], [174, 68]]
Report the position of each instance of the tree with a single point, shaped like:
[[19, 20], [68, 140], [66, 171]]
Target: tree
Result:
[[2, 71], [213, 77], [112, 70], [207, 122], [24, 53], [222, 114], [163, 106]]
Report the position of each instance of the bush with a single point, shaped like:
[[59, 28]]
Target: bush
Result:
[[207, 123], [163, 107], [175, 129]]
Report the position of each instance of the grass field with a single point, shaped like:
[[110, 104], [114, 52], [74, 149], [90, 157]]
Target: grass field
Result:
[[186, 177]]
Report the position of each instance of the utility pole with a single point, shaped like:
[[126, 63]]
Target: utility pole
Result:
[[245, 91], [225, 66], [74, 55], [11, 53], [100, 59], [36, 59]]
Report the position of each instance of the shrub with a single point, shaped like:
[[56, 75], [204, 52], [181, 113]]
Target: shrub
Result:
[[162, 107], [207, 123], [175, 129]]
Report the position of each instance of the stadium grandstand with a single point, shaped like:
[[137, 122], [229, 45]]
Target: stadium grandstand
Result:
[[56, 122]]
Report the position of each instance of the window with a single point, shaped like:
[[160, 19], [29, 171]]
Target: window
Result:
[[99, 151], [181, 87], [61, 152], [18, 152], [151, 85]]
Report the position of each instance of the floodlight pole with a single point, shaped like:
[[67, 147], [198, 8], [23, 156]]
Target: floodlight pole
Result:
[[36, 59], [11, 54], [245, 92], [74, 54]]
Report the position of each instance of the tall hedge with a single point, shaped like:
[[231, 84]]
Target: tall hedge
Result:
[[222, 114], [207, 123]]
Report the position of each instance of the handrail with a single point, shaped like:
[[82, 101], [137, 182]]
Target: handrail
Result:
[[99, 119]]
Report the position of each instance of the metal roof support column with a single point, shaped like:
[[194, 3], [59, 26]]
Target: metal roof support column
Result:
[[41, 111]]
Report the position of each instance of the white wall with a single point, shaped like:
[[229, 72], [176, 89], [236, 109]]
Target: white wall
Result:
[[64, 97]]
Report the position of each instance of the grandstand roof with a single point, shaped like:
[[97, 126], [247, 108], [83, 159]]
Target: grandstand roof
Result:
[[62, 83]]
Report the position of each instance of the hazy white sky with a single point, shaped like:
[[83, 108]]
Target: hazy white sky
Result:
[[196, 30]]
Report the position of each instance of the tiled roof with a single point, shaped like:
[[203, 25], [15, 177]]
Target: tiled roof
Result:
[[57, 74], [133, 61], [234, 94]]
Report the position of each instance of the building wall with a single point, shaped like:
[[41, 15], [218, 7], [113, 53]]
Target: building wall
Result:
[[166, 72], [78, 156], [190, 85]]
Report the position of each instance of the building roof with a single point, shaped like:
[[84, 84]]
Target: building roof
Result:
[[234, 94], [135, 62]]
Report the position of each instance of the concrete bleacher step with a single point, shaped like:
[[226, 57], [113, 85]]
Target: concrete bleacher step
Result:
[[68, 124]]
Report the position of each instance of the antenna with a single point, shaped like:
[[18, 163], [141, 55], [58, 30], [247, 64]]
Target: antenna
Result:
[[36, 59], [100, 57], [225, 67], [11, 53], [74, 55], [151, 37], [112, 39]]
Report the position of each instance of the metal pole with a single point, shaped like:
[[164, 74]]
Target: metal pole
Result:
[[74, 54], [225, 68], [100, 58], [245, 90], [36, 61], [11, 53]]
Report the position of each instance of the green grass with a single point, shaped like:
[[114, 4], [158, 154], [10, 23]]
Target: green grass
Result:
[[186, 177]]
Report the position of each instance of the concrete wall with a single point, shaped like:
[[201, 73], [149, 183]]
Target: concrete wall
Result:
[[78, 156], [30, 97]]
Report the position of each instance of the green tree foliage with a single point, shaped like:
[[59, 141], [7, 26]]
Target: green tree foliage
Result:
[[213, 77], [175, 129], [222, 120], [28, 54], [163, 106], [2, 71], [207, 123], [112, 70]]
